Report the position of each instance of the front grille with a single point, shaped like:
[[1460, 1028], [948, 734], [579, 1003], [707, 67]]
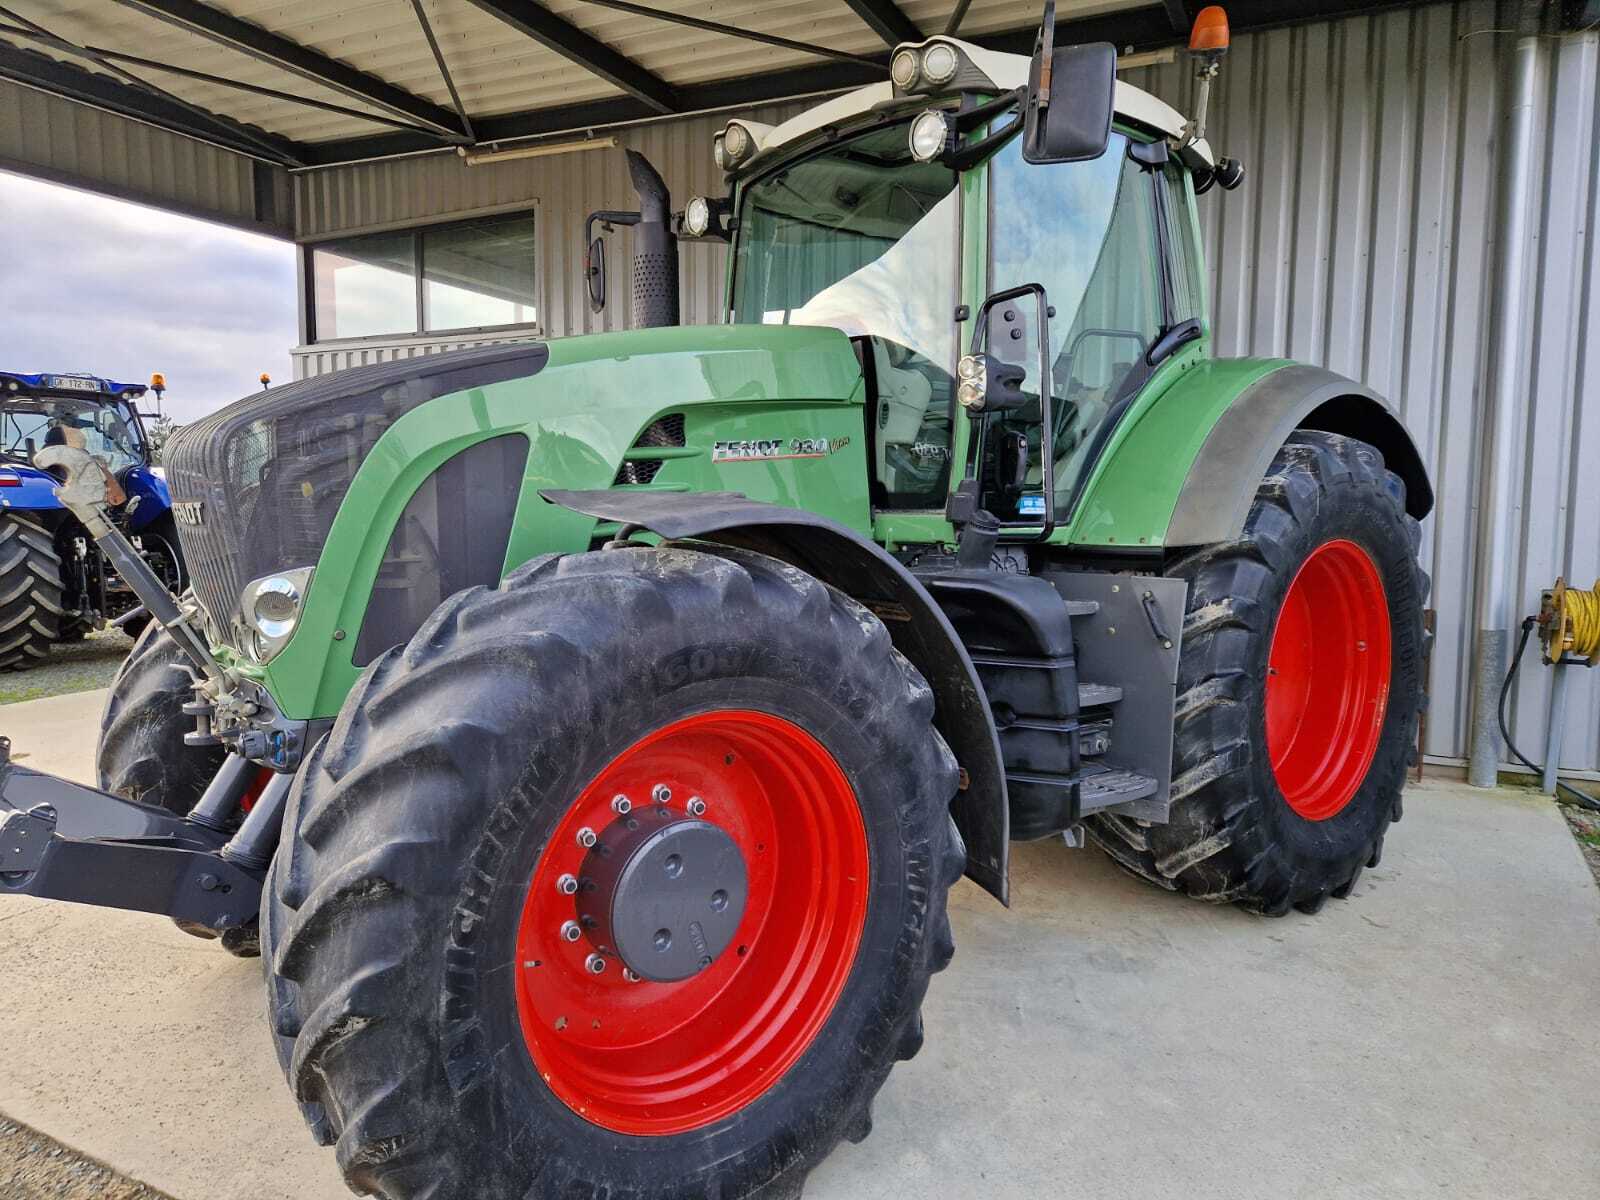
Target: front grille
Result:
[[665, 431], [257, 485]]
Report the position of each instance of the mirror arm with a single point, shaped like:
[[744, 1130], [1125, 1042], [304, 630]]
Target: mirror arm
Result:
[[607, 218], [970, 154]]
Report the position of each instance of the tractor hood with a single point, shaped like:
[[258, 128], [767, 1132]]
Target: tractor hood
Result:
[[321, 470], [697, 364]]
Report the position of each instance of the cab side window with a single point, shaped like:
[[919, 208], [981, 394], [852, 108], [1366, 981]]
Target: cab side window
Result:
[[1188, 287]]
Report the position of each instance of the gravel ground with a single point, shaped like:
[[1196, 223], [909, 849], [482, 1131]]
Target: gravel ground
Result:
[[1585, 825], [71, 667], [34, 1167]]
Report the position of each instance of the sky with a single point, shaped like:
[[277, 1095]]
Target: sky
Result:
[[90, 283]]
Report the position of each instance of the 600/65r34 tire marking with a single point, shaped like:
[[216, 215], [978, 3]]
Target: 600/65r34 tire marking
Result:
[[646, 1057]]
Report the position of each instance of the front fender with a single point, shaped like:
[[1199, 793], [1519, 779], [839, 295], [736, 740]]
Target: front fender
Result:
[[862, 570]]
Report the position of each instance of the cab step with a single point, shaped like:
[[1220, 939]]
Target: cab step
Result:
[[1097, 695], [1112, 787]]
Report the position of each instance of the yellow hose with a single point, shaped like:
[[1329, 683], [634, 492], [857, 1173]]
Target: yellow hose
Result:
[[1571, 623]]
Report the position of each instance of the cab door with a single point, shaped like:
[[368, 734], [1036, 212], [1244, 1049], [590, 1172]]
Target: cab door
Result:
[[1098, 236]]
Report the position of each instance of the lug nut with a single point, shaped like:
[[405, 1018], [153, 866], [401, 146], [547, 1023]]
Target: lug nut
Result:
[[697, 806], [567, 885], [594, 964], [661, 793], [621, 805], [570, 931], [629, 976], [586, 837]]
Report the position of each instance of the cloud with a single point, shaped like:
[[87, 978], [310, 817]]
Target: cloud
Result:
[[91, 283]]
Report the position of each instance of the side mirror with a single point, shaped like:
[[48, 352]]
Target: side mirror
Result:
[[594, 273], [594, 256], [1071, 97]]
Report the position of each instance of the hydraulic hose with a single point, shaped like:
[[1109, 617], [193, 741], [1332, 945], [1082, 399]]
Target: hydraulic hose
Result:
[[1582, 799]]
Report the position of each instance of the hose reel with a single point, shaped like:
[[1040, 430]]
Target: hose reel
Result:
[[1569, 632], [1569, 623]]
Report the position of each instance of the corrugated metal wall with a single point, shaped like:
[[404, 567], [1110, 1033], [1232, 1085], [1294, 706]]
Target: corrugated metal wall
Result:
[[1363, 239], [51, 138]]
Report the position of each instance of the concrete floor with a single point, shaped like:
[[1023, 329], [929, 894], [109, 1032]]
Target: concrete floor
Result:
[[1436, 1035]]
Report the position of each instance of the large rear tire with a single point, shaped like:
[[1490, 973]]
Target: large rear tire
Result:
[[1300, 682], [30, 591], [456, 976]]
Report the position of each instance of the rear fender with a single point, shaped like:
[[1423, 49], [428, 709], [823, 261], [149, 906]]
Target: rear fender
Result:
[[862, 570], [1223, 478]]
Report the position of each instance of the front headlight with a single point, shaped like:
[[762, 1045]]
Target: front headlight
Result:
[[940, 62], [697, 216], [271, 608], [930, 136]]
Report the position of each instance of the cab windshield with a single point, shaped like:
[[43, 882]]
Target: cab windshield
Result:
[[29, 424], [863, 238]]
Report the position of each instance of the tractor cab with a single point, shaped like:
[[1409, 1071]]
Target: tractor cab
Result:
[[38, 410], [1012, 286]]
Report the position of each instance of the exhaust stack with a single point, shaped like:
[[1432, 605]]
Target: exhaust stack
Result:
[[655, 249]]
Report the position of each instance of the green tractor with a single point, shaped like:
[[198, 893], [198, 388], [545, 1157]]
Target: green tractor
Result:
[[589, 732]]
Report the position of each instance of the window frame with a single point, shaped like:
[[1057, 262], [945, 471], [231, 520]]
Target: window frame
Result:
[[419, 279]]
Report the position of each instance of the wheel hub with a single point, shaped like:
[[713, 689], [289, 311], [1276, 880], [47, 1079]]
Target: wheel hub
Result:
[[656, 1035], [664, 893]]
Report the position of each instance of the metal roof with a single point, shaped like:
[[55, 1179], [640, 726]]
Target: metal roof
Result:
[[343, 82]]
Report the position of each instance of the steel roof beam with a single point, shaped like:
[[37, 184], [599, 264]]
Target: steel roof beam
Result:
[[153, 107], [566, 39], [268, 47], [886, 20], [111, 57], [620, 110], [748, 35], [1144, 28]]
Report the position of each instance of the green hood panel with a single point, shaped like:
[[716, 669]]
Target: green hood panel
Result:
[[774, 412], [703, 363]]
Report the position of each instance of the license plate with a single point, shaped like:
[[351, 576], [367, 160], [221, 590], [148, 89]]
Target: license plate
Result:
[[67, 383]]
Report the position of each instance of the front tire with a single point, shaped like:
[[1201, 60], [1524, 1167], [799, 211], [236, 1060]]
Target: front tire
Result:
[[30, 591], [141, 755], [1300, 682], [446, 949]]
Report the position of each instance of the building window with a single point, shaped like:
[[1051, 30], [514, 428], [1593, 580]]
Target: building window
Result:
[[365, 286], [467, 275], [478, 273]]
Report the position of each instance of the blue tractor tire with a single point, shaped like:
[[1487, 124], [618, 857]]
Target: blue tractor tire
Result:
[[30, 591]]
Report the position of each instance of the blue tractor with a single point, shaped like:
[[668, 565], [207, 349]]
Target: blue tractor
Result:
[[55, 584]]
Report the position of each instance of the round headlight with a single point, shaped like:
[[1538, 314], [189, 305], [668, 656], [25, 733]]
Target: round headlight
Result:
[[276, 607], [719, 153], [970, 368], [970, 394], [904, 69], [928, 135], [736, 143], [696, 217], [939, 63]]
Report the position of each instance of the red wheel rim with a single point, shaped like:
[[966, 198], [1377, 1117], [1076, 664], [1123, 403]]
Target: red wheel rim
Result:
[[649, 1058], [1328, 679]]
